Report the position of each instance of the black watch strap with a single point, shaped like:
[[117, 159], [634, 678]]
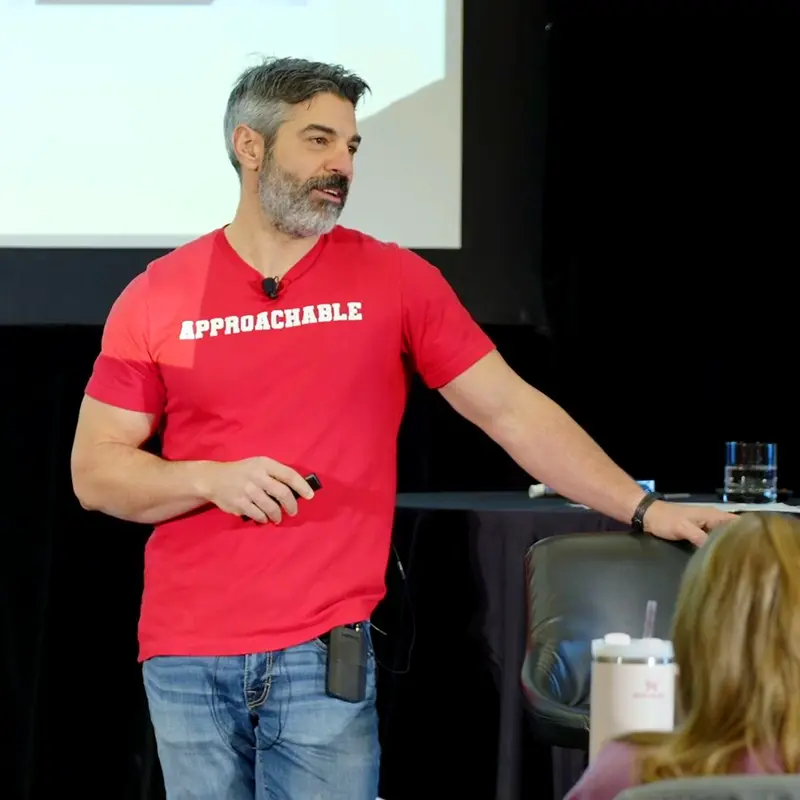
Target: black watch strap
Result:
[[637, 522]]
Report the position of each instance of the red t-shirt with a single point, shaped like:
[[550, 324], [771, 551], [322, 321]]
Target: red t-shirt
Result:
[[316, 379]]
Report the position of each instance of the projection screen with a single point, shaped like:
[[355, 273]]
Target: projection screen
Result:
[[111, 112]]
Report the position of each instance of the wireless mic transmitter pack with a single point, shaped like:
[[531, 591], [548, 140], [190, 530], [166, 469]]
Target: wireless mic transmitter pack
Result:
[[346, 664]]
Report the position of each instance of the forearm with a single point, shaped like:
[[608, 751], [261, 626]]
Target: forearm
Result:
[[131, 484], [548, 444]]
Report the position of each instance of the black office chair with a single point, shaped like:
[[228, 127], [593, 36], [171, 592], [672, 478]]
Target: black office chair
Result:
[[581, 587]]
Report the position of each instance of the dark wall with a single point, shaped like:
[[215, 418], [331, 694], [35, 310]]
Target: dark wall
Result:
[[670, 248]]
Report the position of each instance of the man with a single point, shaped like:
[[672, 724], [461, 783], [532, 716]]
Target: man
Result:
[[270, 349]]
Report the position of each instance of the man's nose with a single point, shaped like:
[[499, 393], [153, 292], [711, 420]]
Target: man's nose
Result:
[[341, 164]]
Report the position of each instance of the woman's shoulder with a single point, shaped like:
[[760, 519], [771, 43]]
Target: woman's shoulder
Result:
[[613, 771]]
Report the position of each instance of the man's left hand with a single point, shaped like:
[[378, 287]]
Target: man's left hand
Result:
[[676, 522]]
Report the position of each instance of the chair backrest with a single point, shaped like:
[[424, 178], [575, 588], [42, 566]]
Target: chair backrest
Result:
[[723, 787], [580, 587]]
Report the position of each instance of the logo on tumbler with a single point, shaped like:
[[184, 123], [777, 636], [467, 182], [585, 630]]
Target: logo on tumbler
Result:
[[652, 691]]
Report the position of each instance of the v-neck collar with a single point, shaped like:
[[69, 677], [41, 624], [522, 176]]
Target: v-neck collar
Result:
[[229, 254]]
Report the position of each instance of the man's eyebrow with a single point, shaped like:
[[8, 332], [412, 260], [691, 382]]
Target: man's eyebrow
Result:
[[314, 127]]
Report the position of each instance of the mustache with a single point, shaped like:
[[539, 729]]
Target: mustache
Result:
[[334, 183]]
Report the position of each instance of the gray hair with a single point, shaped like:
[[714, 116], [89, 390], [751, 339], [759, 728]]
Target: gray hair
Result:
[[263, 94]]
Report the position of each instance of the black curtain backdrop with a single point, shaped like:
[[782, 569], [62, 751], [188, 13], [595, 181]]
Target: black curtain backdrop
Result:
[[669, 263], [670, 247]]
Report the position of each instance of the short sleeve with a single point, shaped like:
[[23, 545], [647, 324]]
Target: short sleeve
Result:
[[125, 374], [611, 773], [440, 336]]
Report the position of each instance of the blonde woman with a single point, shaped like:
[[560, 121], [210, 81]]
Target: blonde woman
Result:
[[737, 642]]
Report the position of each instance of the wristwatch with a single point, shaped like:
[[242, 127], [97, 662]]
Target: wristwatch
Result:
[[637, 523]]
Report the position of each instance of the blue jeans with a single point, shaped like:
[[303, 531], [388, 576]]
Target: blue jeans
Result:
[[261, 727]]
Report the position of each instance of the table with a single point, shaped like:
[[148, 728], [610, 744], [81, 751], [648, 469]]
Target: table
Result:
[[498, 528]]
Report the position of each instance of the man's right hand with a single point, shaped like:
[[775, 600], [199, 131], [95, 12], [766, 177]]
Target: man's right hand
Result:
[[258, 488]]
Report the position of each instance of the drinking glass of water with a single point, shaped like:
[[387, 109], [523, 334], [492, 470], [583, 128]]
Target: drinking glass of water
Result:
[[751, 472]]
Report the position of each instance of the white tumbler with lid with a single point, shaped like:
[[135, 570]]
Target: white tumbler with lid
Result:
[[632, 688]]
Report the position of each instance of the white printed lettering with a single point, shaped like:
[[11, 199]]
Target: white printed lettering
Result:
[[246, 323], [275, 320], [200, 327], [187, 329]]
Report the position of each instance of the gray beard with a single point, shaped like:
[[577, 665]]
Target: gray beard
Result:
[[291, 207]]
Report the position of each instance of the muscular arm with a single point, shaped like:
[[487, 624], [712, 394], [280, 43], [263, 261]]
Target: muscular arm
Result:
[[112, 474], [541, 437]]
